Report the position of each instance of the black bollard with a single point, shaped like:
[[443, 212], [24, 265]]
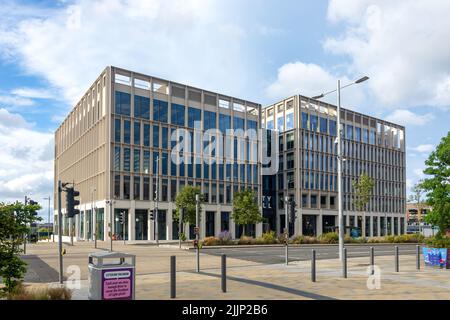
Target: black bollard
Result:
[[313, 266], [396, 259], [224, 273], [418, 257], [372, 261], [344, 269], [172, 277]]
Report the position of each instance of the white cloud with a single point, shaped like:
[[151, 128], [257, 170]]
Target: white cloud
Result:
[[400, 44], [33, 93], [25, 161], [186, 41], [310, 80], [8, 100], [406, 117], [419, 173], [424, 148]]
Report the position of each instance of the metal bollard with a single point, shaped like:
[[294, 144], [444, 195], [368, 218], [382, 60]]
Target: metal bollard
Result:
[[172, 277], [224, 273], [313, 266], [418, 257], [372, 261], [344, 270], [396, 259]]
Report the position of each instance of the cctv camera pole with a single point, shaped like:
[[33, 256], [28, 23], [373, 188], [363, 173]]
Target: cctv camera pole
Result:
[[339, 173], [60, 233], [197, 222]]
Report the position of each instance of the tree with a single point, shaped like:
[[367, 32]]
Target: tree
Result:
[[245, 208], [417, 199], [363, 191], [437, 185], [14, 223], [186, 199]]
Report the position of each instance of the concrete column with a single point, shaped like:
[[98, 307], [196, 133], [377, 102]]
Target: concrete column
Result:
[[169, 220], [363, 227], [217, 223], [392, 225], [319, 224], [202, 224], [299, 224], [232, 227], [94, 221], [132, 221], [259, 229]]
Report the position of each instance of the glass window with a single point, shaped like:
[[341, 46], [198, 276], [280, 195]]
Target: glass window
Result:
[[238, 123], [365, 136], [290, 121], [117, 130], [137, 187], [209, 120], [126, 131], [122, 103], [156, 136], [155, 163], [126, 159], [224, 123], [146, 162], [290, 141], [252, 125], [270, 124], [305, 120], [160, 110], [116, 188], [137, 132], [290, 160], [313, 121], [117, 158], [126, 187], [141, 107], [290, 180], [372, 137], [137, 159], [164, 159], [193, 116], [349, 132], [280, 123], [164, 137], [177, 114], [146, 135], [323, 125], [358, 134], [332, 124]]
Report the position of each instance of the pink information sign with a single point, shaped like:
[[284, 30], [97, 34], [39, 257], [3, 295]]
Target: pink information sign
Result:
[[117, 284]]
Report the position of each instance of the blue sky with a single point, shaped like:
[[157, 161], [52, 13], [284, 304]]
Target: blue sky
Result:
[[50, 52]]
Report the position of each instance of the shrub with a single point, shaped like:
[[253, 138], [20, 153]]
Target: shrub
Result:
[[210, 241], [246, 240], [267, 238], [182, 236], [438, 242], [22, 292], [330, 237], [225, 237]]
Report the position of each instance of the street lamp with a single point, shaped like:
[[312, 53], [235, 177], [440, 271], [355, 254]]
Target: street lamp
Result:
[[339, 157]]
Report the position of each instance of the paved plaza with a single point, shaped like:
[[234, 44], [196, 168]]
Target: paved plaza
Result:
[[248, 279]]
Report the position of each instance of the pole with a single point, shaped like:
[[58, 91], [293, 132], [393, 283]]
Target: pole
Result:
[[224, 273], [25, 236], [156, 201], [344, 269], [372, 261], [339, 174], [418, 257], [313, 266], [197, 223], [396, 259], [286, 227], [172, 277], [71, 230], [48, 227], [60, 233]]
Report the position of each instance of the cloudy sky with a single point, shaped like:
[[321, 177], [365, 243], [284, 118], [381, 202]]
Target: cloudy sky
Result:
[[51, 51]]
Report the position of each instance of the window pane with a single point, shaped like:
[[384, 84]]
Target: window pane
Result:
[[117, 130], [156, 136], [126, 159], [126, 131], [137, 133], [160, 110]]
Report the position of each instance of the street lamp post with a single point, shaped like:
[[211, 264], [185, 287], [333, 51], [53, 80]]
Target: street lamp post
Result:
[[340, 159], [48, 220]]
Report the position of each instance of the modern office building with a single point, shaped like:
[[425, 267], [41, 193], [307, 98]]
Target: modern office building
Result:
[[116, 147], [306, 130]]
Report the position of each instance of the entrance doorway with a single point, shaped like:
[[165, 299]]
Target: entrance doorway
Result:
[[141, 225], [309, 225]]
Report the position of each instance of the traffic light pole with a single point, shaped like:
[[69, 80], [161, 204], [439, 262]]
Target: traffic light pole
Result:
[[286, 228], [60, 233]]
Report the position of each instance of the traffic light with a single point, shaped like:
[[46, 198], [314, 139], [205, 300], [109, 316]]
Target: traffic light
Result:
[[152, 216], [71, 202], [292, 210], [122, 217], [33, 203]]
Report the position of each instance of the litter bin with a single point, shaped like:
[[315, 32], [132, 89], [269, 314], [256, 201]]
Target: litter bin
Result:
[[112, 276]]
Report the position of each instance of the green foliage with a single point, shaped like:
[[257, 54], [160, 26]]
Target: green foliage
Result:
[[438, 242], [245, 208], [330, 237], [267, 238], [20, 292], [246, 240], [186, 199], [437, 185], [363, 190], [14, 224], [182, 236]]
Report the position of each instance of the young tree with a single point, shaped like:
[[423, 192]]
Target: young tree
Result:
[[14, 223], [186, 199], [245, 208], [363, 190], [417, 199], [437, 185]]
